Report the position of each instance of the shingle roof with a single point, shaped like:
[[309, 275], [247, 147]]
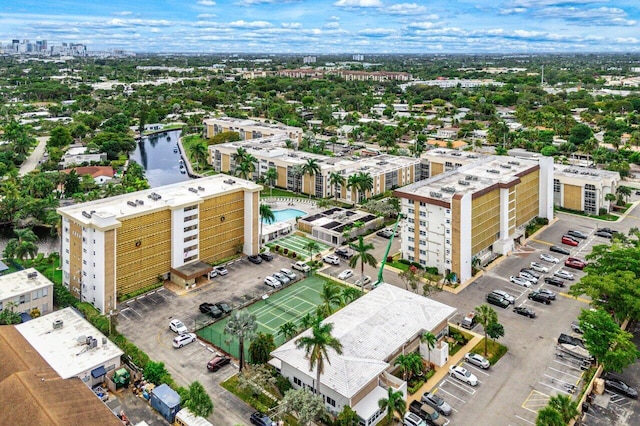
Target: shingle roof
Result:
[[370, 329]]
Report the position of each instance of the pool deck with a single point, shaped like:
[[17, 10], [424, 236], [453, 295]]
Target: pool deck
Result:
[[286, 227]]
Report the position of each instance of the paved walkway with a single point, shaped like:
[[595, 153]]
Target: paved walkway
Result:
[[34, 158]]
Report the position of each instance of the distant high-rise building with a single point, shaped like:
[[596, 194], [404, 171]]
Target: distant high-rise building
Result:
[[309, 60], [358, 57]]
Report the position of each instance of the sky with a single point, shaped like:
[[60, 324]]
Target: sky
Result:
[[328, 26]]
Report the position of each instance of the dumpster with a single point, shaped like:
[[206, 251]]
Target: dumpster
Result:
[[121, 378], [165, 401]]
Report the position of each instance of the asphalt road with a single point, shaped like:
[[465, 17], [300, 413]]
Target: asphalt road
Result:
[[34, 158]]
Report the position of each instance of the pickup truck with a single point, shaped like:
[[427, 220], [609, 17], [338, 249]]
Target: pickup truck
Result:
[[427, 413], [301, 266]]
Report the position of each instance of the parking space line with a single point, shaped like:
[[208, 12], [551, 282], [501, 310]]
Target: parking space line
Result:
[[469, 391], [560, 371], [530, 422], [452, 395], [570, 366], [554, 388], [134, 311], [479, 370]]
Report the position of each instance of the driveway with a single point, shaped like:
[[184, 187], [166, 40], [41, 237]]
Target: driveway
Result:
[[34, 158]]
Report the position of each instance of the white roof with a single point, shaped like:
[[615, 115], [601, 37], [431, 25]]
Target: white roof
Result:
[[19, 283], [61, 347], [371, 329]]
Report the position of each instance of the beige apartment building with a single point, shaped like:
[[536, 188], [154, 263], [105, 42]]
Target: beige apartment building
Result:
[[473, 210], [115, 246], [25, 291], [250, 129]]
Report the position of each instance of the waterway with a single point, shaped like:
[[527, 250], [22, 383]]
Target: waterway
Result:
[[160, 158]]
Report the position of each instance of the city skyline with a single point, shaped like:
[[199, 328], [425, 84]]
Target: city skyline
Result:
[[330, 26]]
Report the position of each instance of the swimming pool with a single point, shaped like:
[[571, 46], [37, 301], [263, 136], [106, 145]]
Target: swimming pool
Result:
[[286, 214]]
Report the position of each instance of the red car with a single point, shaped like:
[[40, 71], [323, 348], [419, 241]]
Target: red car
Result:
[[575, 263], [569, 241]]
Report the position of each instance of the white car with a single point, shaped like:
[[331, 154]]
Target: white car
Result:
[[289, 273], [477, 360], [183, 339], [281, 277], [528, 277], [347, 273], [564, 274], [222, 270], [538, 267], [364, 281], [548, 258], [506, 296], [463, 375], [519, 281], [331, 259], [272, 281], [177, 326]]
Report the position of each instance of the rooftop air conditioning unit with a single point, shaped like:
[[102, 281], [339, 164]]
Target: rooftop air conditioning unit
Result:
[[195, 191], [200, 188], [32, 275], [132, 203], [58, 324], [87, 215], [464, 182], [497, 172], [140, 202]]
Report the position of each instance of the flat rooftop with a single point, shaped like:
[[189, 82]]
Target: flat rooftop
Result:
[[108, 212], [584, 172], [65, 349], [22, 282], [453, 155], [470, 178]]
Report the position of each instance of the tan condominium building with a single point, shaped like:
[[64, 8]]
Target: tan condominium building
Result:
[[574, 187], [477, 210], [386, 171], [119, 245], [250, 129]]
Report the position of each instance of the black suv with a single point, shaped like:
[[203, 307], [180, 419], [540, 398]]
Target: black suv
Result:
[[554, 281], [560, 250], [266, 256], [344, 253], [255, 259], [576, 234], [536, 296], [260, 419], [570, 340], [211, 309], [497, 300]]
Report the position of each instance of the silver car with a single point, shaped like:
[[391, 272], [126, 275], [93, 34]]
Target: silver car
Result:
[[538, 267], [549, 258], [477, 360], [528, 277], [520, 281], [505, 296], [564, 274], [281, 277]]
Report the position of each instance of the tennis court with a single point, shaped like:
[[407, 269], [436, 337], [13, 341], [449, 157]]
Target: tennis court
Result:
[[290, 304], [297, 244]]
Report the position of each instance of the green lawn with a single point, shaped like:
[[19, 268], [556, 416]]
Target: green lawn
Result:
[[296, 243]]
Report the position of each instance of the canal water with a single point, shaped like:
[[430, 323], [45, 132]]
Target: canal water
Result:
[[160, 158]]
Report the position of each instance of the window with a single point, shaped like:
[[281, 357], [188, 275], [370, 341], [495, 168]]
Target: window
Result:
[[423, 252], [297, 381], [411, 258], [423, 214], [186, 209], [190, 218], [423, 233], [448, 231], [331, 401], [190, 228], [411, 229], [411, 211], [448, 241], [448, 221], [411, 220], [448, 211], [423, 223], [411, 248], [410, 239], [556, 185]]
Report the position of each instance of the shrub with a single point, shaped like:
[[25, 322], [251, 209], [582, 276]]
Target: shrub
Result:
[[286, 251], [294, 255], [417, 265], [283, 384], [404, 262], [277, 247], [416, 387], [431, 270], [389, 259]]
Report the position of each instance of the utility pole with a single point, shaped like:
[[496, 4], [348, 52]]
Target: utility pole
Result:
[[542, 77]]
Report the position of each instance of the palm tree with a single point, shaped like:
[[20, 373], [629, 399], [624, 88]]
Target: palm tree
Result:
[[316, 347], [549, 417], [337, 180], [624, 191], [241, 325], [353, 184], [200, 153], [298, 172], [244, 170], [410, 364], [349, 294], [311, 168], [393, 403], [486, 315], [365, 183], [430, 339], [307, 321], [266, 215], [22, 246], [311, 247], [239, 156], [260, 348], [611, 198], [271, 177], [566, 406], [331, 296], [288, 330], [361, 253]]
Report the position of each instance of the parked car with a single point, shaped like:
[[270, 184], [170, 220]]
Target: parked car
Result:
[[331, 259], [603, 234], [575, 263], [183, 339], [436, 402], [539, 267], [559, 249], [177, 326], [477, 360], [511, 299], [384, 233], [289, 273], [469, 321], [548, 258], [617, 385], [255, 259], [463, 374], [523, 310], [281, 277], [260, 419], [575, 326], [528, 277], [531, 272], [347, 273], [569, 241], [218, 362], [432, 417], [554, 281], [344, 253], [266, 256], [224, 307], [536, 296], [221, 270], [570, 340], [607, 230], [576, 234], [565, 275], [520, 281], [211, 310], [550, 294], [412, 419], [494, 299], [363, 281], [301, 266], [272, 281], [213, 273], [204, 307]]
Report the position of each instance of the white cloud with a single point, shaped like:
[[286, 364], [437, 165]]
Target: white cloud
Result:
[[377, 32], [594, 16], [628, 40], [207, 15], [406, 9], [545, 3], [250, 24], [291, 25], [331, 25], [123, 13], [512, 11], [358, 3], [206, 2], [334, 18], [422, 25]]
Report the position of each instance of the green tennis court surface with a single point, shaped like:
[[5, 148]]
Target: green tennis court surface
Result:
[[297, 244], [290, 304]]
